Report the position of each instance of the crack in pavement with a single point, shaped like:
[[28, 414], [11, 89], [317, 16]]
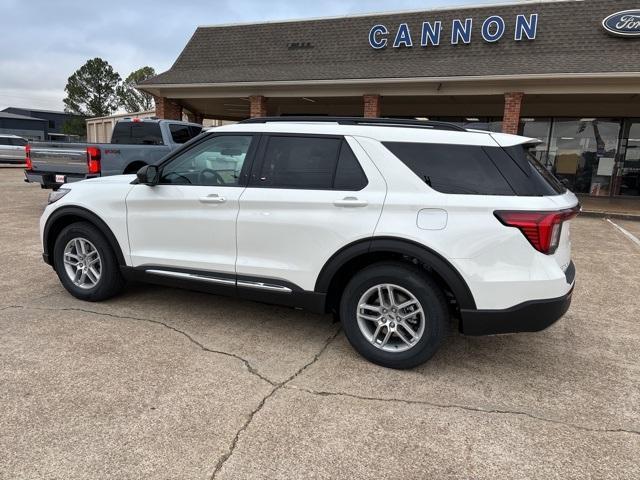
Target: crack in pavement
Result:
[[200, 345], [222, 460], [463, 407]]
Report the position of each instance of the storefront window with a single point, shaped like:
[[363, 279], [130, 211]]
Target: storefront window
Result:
[[628, 178], [582, 152]]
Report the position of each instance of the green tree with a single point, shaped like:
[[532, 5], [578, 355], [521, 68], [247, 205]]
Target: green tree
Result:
[[91, 90], [75, 126], [132, 99]]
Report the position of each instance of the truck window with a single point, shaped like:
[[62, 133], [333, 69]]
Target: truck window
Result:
[[183, 133], [137, 133]]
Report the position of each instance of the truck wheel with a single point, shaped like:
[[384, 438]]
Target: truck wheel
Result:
[[394, 315], [86, 263]]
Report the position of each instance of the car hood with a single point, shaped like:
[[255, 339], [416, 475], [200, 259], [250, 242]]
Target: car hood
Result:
[[111, 179]]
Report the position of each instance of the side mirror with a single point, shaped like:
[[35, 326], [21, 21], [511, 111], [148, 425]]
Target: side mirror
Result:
[[149, 175]]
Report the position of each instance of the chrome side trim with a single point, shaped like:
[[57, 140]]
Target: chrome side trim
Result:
[[264, 286], [191, 276]]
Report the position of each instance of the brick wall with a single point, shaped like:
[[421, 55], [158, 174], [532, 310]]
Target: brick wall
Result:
[[511, 118], [372, 106], [167, 108]]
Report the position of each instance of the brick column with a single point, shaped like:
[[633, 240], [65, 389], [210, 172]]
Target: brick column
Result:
[[511, 117], [258, 106], [167, 108], [195, 117], [372, 106]]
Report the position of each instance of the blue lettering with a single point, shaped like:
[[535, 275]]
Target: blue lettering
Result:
[[529, 28], [403, 37], [460, 32], [495, 23], [431, 34], [378, 36]]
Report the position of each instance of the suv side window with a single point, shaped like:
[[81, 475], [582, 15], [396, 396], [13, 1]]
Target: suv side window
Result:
[[459, 169], [217, 161], [349, 174], [309, 163]]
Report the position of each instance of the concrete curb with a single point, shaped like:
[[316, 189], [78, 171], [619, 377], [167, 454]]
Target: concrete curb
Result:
[[617, 215]]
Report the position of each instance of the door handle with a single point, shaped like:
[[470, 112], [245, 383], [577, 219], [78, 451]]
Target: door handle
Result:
[[351, 202], [213, 198]]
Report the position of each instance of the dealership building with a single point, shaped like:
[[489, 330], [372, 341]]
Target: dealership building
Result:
[[565, 72]]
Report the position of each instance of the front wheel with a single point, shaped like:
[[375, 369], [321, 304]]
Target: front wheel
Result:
[[86, 264], [394, 315]]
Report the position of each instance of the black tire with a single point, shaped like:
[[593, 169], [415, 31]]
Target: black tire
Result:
[[133, 168], [110, 282], [422, 287]]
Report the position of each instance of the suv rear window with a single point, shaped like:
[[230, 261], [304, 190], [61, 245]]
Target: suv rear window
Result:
[[137, 133], [541, 180], [460, 169], [183, 133]]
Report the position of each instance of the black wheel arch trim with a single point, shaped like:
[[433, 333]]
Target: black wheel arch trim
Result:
[[401, 246], [84, 214]]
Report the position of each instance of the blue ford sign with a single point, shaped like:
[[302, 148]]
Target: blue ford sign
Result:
[[459, 31], [623, 24]]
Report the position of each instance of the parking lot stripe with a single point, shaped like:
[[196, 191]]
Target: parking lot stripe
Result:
[[626, 233]]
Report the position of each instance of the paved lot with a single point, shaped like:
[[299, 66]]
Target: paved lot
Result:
[[162, 383]]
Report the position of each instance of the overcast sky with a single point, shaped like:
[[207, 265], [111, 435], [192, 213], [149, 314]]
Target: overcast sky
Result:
[[44, 41]]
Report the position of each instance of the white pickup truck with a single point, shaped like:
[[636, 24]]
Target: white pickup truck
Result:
[[134, 144]]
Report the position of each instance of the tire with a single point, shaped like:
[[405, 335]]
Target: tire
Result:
[[109, 281], [133, 168], [406, 281]]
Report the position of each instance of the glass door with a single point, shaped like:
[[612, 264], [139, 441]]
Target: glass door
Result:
[[627, 180], [582, 152]]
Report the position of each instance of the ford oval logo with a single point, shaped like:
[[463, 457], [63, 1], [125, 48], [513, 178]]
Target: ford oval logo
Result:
[[623, 24]]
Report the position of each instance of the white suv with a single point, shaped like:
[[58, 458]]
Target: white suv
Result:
[[396, 226]]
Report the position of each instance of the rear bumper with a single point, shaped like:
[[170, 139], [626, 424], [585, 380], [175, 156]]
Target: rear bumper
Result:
[[531, 316], [48, 179]]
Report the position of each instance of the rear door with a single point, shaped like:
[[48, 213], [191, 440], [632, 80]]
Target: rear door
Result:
[[308, 197]]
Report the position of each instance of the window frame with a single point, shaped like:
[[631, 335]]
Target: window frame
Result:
[[260, 157], [195, 141]]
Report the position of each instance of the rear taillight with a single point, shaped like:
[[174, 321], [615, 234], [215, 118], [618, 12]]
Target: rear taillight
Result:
[[542, 229], [27, 155], [93, 160]]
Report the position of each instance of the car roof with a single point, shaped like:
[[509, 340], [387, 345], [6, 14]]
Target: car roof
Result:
[[382, 133], [10, 135]]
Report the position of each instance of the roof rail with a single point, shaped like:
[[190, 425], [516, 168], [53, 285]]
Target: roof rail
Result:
[[380, 122]]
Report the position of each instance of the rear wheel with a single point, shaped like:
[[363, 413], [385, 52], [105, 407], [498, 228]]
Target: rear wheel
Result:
[[86, 264], [394, 315]]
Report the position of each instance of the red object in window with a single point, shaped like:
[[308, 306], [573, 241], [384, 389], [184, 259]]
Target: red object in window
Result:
[[542, 229], [135, 119], [27, 152], [93, 160]]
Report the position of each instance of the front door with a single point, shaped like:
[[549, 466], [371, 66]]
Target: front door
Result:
[[308, 197], [188, 220]]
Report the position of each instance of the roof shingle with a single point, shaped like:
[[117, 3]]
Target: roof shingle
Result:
[[570, 39]]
